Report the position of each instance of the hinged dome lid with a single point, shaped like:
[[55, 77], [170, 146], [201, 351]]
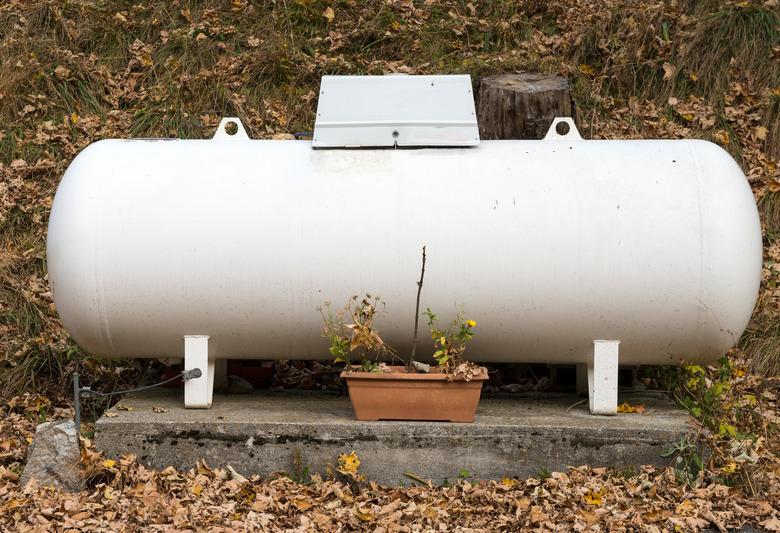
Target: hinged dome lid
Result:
[[395, 110]]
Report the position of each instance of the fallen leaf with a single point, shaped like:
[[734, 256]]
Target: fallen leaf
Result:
[[773, 524], [363, 515], [686, 507], [9, 475], [669, 71], [235, 475], [341, 495], [523, 504], [537, 515], [203, 469], [61, 72], [626, 407], [722, 137], [329, 14], [589, 517], [71, 506], [587, 69], [390, 507], [302, 505], [14, 503]]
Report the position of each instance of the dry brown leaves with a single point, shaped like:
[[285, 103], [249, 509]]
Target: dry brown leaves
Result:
[[126, 496]]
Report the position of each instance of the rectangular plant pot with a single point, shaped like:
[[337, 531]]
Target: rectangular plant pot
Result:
[[399, 395]]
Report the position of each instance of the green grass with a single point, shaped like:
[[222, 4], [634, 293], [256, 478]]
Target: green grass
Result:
[[746, 34]]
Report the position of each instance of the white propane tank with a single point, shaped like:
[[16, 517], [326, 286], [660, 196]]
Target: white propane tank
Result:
[[548, 245]]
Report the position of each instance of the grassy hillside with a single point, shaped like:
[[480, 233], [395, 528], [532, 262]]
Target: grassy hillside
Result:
[[75, 71]]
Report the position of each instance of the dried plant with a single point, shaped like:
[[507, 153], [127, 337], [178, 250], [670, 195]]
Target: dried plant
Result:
[[358, 336]]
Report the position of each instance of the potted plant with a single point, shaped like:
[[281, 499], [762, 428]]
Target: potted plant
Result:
[[446, 391]]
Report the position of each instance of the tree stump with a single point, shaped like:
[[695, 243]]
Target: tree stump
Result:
[[521, 106]]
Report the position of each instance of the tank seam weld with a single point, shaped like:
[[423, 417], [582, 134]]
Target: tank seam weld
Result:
[[701, 322], [99, 285]]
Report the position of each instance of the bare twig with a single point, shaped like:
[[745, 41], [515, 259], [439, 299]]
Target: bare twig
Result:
[[426, 482], [417, 310], [575, 405]]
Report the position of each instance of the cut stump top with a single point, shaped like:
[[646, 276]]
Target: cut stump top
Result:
[[526, 82]]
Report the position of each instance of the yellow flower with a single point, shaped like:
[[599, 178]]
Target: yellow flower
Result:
[[349, 463], [587, 69], [594, 498], [471, 323]]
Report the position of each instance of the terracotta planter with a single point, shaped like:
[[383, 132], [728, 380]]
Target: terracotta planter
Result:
[[399, 395]]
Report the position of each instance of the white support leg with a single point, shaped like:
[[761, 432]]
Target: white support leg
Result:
[[603, 377], [582, 379], [198, 391]]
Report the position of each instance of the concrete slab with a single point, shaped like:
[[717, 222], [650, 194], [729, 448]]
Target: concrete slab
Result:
[[514, 435]]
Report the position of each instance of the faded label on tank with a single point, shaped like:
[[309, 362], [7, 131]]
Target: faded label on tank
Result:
[[341, 161]]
